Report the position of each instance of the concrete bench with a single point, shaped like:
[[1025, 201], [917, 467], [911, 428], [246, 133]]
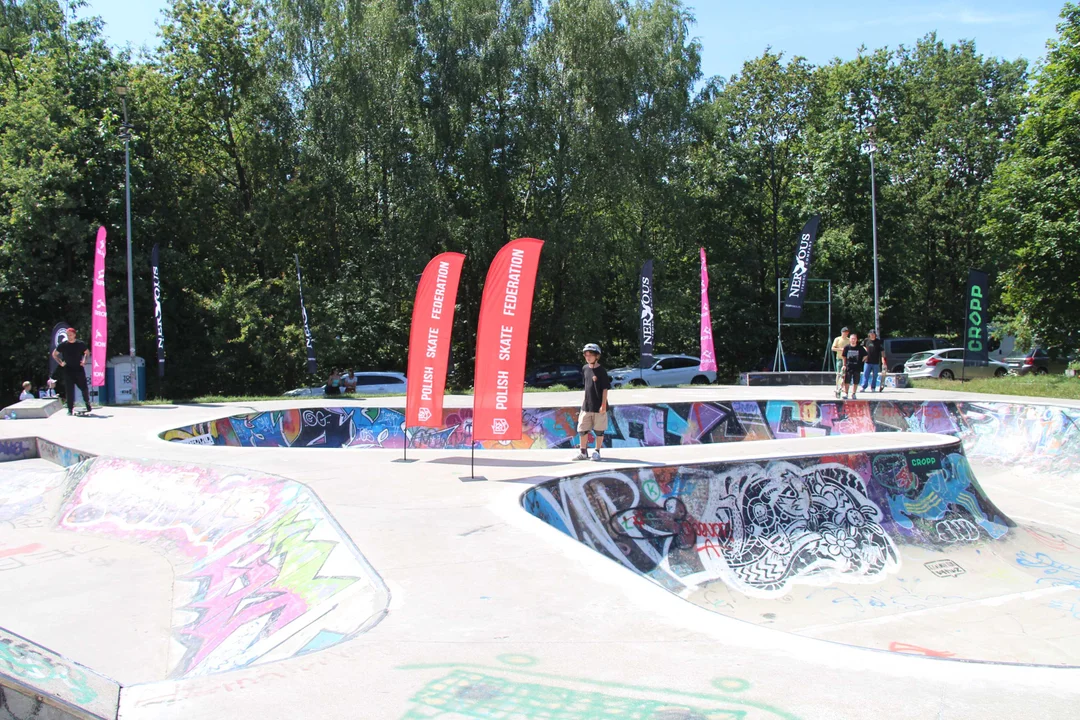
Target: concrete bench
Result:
[[31, 409]]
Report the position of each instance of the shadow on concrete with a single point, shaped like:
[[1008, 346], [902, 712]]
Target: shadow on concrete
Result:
[[494, 462]]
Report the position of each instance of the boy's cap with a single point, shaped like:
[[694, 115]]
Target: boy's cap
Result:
[[592, 347]]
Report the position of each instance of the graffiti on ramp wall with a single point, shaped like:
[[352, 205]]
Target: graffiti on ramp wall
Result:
[[262, 570], [762, 528], [1045, 435]]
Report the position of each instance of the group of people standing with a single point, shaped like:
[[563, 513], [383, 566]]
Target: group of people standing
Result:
[[338, 383], [854, 360], [71, 358]]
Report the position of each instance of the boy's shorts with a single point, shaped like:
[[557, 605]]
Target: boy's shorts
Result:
[[592, 422], [851, 374]]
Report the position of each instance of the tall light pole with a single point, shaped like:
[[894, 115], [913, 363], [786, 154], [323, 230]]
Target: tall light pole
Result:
[[871, 149], [125, 135]]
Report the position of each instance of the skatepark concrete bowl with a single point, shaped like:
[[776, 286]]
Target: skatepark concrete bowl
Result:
[[896, 547], [207, 562]]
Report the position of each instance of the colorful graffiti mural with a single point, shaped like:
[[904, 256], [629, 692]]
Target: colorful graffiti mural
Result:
[[263, 572], [761, 528], [44, 672], [1041, 434], [28, 448], [17, 449]]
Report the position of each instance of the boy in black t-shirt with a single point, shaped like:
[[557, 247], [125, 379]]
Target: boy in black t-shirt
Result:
[[854, 353], [593, 416], [875, 357], [72, 357]]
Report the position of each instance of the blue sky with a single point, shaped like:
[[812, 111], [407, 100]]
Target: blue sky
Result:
[[732, 32]]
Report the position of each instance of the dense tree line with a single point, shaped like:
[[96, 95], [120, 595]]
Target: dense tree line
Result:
[[367, 135]]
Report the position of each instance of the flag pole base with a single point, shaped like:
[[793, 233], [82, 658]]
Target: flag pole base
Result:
[[472, 476]]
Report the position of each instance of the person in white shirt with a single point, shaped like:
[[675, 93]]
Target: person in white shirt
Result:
[[26, 393], [49, 391]]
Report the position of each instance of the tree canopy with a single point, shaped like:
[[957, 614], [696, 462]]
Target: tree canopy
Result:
[[369, 135]]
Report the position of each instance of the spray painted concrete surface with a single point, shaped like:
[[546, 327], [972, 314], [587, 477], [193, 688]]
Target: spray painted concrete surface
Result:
[[219, 568], [493, 610], [861, 548]]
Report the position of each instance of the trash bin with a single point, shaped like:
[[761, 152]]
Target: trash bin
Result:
[[118, 380]]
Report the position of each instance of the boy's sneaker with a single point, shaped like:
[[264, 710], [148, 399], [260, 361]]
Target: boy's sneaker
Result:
[[837, 394], [581, 456], [70, 412], [596, 455], [854, 396]]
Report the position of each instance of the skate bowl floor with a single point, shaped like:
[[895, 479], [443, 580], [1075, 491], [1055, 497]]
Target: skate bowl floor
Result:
[[741, 552], [893, 549]]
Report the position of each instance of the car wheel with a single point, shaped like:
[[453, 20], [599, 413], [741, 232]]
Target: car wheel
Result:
[[1041, 371], [1001, 372], [700, 380], [637, 382], [898, 369], [946, 375]]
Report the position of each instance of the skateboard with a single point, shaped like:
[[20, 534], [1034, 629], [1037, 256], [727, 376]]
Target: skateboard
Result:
[[83, 413]]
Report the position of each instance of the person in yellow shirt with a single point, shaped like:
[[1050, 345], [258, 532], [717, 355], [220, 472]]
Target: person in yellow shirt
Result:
[[838, 345]]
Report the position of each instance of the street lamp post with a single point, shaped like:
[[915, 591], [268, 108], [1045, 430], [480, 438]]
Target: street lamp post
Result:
[[872, 148], [125, 135]]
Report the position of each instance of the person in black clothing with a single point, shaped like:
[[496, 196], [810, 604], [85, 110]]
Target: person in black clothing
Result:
[[875, 356], [854, 354], [72, 357], [593, 416]]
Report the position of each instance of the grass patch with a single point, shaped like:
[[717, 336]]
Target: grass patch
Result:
[[1051, 386]]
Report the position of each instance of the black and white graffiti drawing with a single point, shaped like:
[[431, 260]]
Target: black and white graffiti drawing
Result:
[[758, 528]]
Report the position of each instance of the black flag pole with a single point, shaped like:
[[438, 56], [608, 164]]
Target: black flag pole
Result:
[[472, 459], [312, 368], [647, 328], [156, 272], [976, 338]]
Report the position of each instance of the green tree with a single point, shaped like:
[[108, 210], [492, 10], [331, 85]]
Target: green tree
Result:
[[59, 180], [1033, 208]]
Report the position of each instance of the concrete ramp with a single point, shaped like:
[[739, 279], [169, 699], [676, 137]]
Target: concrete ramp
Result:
[[255, 568], [36, 682], [896, 548]]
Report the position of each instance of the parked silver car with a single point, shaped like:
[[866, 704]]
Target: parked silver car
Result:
[[948, 364], [667, 371]]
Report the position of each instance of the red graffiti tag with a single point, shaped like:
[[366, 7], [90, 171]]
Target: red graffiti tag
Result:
[[916, 650]]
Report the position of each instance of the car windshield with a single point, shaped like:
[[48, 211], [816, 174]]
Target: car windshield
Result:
[[919, 357]]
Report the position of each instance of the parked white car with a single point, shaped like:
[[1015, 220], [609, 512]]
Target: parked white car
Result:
[[667, 371], [367, 383], [948, 364]]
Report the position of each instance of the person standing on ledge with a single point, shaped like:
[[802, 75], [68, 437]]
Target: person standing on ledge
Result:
[[875, 356], [593, 417], [72, 357], [854, 354], [838, 344]]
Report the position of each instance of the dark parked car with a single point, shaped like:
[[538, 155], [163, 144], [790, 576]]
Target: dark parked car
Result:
[[555, 374], [1037, 362]]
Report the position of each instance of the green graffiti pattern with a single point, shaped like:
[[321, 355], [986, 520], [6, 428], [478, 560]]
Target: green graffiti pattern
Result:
[[466, 691]]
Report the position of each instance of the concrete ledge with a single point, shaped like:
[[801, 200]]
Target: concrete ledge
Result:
[[36, 675], [31, 409], [787, 378], [774, 379]]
